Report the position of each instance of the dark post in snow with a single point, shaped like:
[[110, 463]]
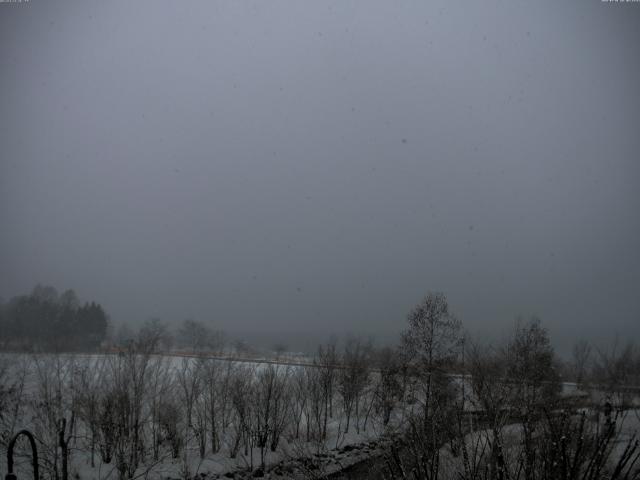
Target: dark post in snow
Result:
[[34, 455]]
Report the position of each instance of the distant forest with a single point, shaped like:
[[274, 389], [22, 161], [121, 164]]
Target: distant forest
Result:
[[47, 321]]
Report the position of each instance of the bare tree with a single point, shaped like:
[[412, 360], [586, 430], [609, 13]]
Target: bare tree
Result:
[[240, 394], [270, 408], [154, 335], [212, 400], [431, 341], [124, 412], [169, 426], [388, 388], [281, 411], [189, 377], [531, 370], [314, 406], [198, 337], [581, 357], [617, 371], [300, 395], [431, 344], [55, 408], [353, 379], [13, 375], [493, 395], [160, 391], [91, 378]]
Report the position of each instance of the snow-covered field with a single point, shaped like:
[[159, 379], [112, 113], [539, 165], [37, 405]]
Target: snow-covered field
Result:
[[190, 416], [156, 416]]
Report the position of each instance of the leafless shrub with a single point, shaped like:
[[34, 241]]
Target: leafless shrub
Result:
[[616, 370], [13, 375], [353, 379]]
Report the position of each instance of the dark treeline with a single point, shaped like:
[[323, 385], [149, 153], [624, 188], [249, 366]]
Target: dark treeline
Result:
[[47, 321]]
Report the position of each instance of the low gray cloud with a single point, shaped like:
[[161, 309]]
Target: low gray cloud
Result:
[[318, 166]]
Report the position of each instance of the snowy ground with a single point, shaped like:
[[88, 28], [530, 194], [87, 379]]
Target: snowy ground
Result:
[[339, 449], [293, 458]]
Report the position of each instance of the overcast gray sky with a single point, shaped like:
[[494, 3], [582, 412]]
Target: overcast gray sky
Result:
[[317, 166]]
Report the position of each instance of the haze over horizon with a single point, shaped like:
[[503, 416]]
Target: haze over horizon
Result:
[[317, 167]]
